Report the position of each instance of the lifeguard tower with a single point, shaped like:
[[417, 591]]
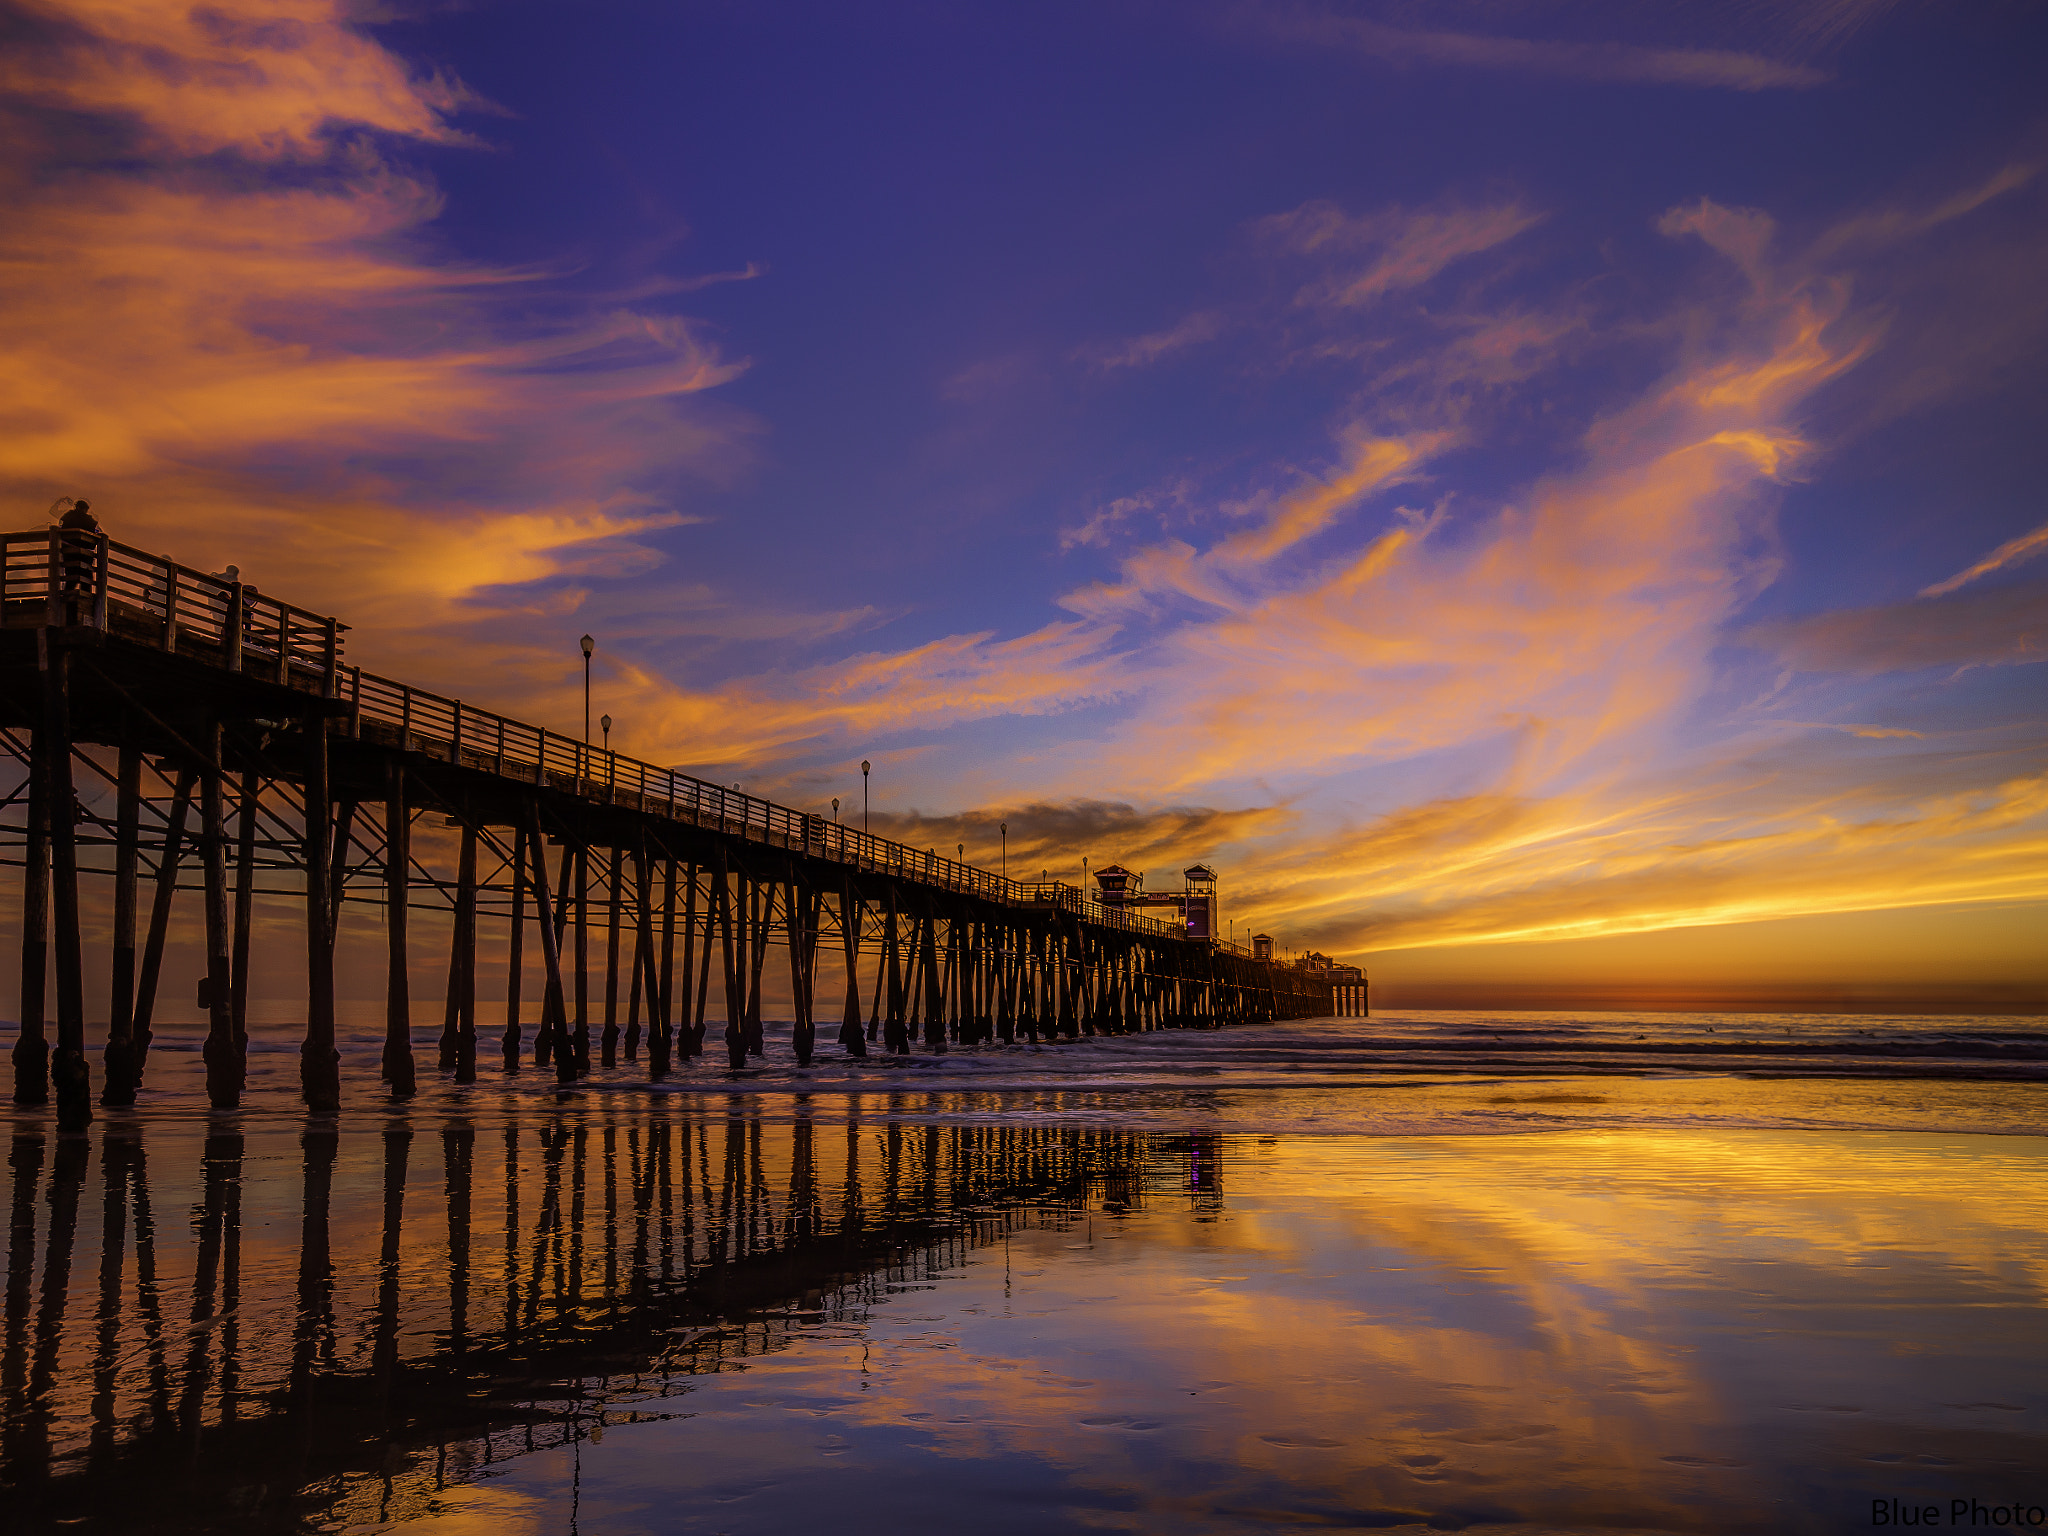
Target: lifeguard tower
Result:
[[1200, 901], [1119, 887]]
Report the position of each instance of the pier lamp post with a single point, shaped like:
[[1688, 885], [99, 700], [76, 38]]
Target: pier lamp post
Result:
[[864, 796], [589, 645], [835, 808], [606, 722], [1004, 828]]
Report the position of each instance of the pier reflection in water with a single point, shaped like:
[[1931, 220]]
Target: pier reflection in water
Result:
[[340, 1338], [751, 1315]]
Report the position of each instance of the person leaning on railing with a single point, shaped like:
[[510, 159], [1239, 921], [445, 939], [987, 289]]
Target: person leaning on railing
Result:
[[78, 559]]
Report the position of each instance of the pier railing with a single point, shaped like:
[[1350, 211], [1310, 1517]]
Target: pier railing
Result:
[[71, 578], [65, 577], [416, 720]]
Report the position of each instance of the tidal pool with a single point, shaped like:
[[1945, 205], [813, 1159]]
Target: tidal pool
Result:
[[621, 1314]]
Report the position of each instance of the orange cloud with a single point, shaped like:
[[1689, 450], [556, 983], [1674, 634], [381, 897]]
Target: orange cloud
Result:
[[236, 335], [266, 78], [1495, 868]]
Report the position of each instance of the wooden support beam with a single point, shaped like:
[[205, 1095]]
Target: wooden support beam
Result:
[[703, 976], [643, 947], [763, 902], [896, 1036], [960, 931], [337, 867], [1035, 1020], [319, 1062], [815, 904], [451, 999], [950, 974], [465, 957], [1080, 959], [582, 892], [735, 1028], [875, 998], [515, 951], [120, 1054], [223, 1070], [913, 980], [934, 993], [851, 1037], [399, 1070], [1002, 963], [70, 1073], [614, 908], [977, 1025], [793, 941], [247, 805], [159, 916], [661, 1045], [745, 893], [553, 1007], [553, 1034], [31, 1048]]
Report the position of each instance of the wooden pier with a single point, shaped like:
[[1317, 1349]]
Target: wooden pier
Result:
[[248, 758]]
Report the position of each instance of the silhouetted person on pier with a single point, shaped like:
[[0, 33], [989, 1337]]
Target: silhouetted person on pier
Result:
[[78, 558]]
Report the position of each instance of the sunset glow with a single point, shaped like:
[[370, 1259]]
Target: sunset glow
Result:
[[1521, 490]]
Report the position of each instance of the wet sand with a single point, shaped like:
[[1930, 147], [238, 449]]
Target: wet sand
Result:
[[1094, 1290]]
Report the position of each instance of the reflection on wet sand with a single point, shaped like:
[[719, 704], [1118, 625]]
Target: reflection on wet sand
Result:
[[405, 1325], [623, 1318]]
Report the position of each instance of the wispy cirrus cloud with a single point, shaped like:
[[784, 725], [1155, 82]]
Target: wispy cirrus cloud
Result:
[[1566, 59], [1143, 351], [2012, 552], [2002, 626], [1401, 247]]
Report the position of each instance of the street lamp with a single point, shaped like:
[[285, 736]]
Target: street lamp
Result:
[[864, 796], [606, 722], [1004, 828], [835, 807], [589, 645]]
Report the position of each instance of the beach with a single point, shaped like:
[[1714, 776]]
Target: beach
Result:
[[1221, 1281]]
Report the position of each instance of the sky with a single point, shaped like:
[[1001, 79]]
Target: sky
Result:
[[1545, 497]]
